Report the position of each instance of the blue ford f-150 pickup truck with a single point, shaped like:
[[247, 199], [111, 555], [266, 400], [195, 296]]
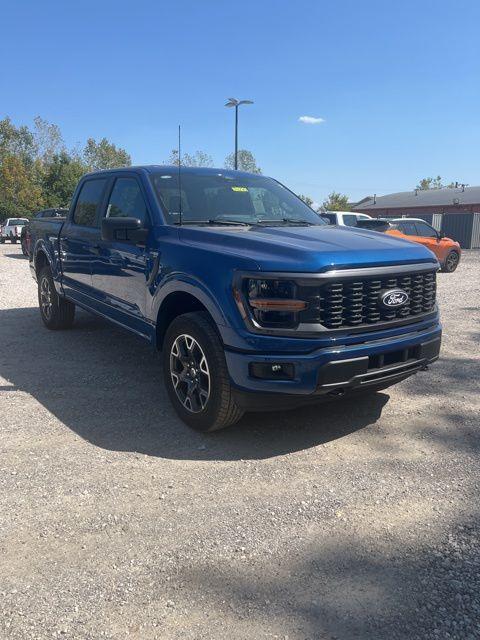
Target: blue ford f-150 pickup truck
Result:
[[255, 302]]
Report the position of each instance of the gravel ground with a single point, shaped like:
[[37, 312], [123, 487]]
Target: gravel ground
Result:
[[355, 520]]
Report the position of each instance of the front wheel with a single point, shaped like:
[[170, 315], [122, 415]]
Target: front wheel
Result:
[[451, 262], [196, 374], [56, 312]]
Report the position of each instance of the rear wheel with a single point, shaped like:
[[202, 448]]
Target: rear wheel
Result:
[[196, 374], [56, 312], [13, 240], [451, 262]]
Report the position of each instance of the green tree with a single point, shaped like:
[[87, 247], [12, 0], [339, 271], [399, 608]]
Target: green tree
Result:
[[16, 141], [20, 195], [335, 202], [432, 183], [48, 139], [37, 170], [105, 155], [307, 200], [246, 161], [60, 178], [198, 159]]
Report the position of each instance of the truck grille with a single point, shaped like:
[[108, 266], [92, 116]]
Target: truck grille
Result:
[[354, 302]]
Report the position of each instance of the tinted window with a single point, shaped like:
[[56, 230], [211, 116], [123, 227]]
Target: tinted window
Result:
[[88, 202], [408, 228], [126, 200], [350, 220], [331, 217], [18, 222], [425, 230], [229, 196]]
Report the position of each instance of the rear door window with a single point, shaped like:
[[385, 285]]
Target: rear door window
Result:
[[408, 228], [350, 220], [88, 202]]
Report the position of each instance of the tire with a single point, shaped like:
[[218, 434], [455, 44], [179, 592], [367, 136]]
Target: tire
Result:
[[451, 262], [24, 248], [13, 240], [2, 240], [56, 312], [202, 399]]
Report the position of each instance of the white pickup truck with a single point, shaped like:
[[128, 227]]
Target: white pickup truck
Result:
[[11, 229], [344, 218]]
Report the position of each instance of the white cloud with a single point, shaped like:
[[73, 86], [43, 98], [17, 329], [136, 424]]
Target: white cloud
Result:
[[310, 120]]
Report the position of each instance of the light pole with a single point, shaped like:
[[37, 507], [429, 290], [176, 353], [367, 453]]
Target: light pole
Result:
[[233, 102]]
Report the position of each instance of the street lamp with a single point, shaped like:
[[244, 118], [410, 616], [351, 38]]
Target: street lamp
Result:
[[233, 102]]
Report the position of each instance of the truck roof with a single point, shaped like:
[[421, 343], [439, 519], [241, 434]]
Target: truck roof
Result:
[[155, 168]]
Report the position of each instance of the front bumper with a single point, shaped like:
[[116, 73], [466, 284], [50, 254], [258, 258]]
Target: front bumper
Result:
[[335, 370]]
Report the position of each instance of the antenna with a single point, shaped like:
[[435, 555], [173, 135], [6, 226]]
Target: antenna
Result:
[[179, 176]]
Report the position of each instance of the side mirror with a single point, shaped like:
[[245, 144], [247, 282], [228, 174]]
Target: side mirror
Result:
[[123, 229]]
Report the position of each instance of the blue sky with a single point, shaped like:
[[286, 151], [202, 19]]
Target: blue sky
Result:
[[397, 83]]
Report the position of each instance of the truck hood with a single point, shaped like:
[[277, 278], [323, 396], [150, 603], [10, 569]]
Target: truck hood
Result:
[[308, 249]]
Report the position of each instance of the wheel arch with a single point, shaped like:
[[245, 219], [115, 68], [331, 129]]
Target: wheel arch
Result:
[[41, 260], [176, 304]]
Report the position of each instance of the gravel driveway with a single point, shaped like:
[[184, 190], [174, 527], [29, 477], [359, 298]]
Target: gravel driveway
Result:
[[356, 520]]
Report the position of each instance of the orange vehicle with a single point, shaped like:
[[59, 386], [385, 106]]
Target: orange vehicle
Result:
[[447, 250]]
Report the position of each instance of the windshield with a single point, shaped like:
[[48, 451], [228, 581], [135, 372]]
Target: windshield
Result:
[[17, 221], [225, 197]]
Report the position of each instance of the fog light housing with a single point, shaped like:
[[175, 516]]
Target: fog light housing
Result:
[[272, 370]]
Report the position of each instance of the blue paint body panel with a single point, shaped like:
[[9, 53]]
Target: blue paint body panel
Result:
[[128, 284]]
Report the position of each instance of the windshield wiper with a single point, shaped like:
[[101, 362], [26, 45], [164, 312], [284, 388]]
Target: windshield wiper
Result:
[[230, 222], [293, 221], [213, 222]]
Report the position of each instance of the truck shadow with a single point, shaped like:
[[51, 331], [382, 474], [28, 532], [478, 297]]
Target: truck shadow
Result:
[[17, 256], [107, 386]]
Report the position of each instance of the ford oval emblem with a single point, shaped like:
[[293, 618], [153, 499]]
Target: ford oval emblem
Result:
[[393, 298]]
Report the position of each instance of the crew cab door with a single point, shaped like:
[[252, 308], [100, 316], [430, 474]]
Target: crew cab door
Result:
[[120, 268], [79, 238]]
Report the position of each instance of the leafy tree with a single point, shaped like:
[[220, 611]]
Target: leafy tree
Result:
[[20, 195], [432, 183], [37, 170], [198, 159], [308, 201], [105, 155], [246, 161], [16, 141], [335, 202], [60, 178], [48, 139]]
